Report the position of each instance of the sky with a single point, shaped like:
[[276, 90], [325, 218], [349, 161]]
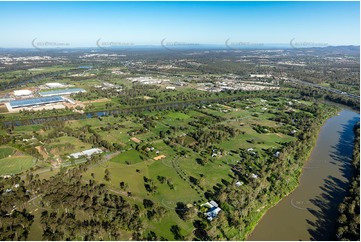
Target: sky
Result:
[[84, 24]]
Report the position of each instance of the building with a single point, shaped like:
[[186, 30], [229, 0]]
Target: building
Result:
[[20, 93], [260, 75], [86, 153], [147, 80], [213, 203], [213, 210], [212, 213], [54, 85], [35, 101], [3, 100], [61, 92]]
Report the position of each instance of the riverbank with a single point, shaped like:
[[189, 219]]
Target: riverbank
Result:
[[310, 211], [348, 227], [277, 200]]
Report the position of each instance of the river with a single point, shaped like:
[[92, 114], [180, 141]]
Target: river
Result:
[[310, 212]]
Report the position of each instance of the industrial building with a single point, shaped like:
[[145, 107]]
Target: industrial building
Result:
[[19, 93], [54, 85], [87, 153], [61, 92], [35, 101]]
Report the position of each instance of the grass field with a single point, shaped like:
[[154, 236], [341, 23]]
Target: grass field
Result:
[[6, 152], [14, 165], [130, 157], [178, 115], [27, 128]]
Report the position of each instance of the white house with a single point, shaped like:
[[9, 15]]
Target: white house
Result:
[[213, 210]]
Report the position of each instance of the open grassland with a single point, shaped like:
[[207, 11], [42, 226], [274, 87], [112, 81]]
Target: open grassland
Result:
[[27, 128], [16, 164], [130, 157], [13, 161], [6, 152]]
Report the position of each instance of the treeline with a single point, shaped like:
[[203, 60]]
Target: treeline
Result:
[[29, 77], [329, 96], [349, 219]]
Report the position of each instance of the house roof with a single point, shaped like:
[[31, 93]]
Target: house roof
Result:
[[213, 212], [213, 203]]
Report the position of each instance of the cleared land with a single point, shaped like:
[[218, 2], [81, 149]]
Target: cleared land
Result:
[[16, 164]]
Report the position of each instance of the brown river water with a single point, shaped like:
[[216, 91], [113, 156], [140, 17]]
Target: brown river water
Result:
[[310, 211]]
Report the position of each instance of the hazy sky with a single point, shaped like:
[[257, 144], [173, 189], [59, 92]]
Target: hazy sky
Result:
[[83, 23]]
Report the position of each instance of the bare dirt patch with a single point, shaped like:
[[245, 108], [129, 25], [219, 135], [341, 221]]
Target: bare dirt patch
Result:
[[159, 157], [136, 140], [96, 101], [42, 152]]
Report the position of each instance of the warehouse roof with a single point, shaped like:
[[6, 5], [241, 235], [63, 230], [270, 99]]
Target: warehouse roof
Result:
[[61, 92], [35, 101]]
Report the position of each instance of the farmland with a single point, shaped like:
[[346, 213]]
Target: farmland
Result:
[[172, 157], [13, 162]]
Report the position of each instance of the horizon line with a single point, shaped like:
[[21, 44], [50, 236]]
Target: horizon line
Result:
[[190, 46]]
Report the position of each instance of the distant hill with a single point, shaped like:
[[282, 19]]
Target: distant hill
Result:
[[344, 49]]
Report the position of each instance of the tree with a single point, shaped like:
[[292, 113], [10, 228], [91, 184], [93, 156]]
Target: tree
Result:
[[175, 229], [147, 203], [152, 236], [107, 175]]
